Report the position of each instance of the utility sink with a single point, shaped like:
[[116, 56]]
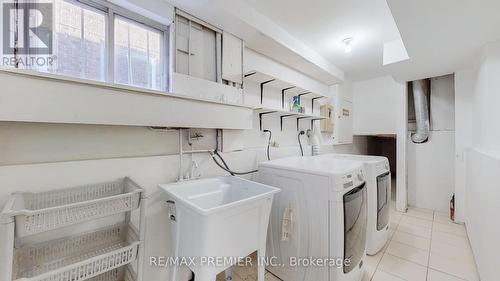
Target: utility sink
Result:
[[218, 221]]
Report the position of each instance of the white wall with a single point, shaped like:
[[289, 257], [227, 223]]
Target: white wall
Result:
[[431, 171], [478, 157], [431, 165], [477, 113], [377, 105], [482, 202]]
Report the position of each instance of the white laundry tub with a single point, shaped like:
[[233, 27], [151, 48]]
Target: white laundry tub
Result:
[[223, 217]]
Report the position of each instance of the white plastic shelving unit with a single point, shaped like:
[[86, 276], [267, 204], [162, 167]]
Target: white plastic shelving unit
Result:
[[104, 254]]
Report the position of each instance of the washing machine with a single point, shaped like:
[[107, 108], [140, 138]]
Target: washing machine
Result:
[[378, 181], [317, 227]]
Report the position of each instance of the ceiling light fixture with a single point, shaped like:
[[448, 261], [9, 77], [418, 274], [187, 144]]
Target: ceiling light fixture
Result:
[[348, 44]]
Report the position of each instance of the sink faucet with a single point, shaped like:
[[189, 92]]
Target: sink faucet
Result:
[[192, 171]]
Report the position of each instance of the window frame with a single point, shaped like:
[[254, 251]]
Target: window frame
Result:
[[110, 11]]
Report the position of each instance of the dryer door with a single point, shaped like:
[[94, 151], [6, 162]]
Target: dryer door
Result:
[[383, 191], [354, 226]]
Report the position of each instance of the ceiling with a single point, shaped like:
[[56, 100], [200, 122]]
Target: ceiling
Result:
[[263, 35], [323, 24], [442, 36]]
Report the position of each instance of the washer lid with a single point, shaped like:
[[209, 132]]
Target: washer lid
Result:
[[314, 165]]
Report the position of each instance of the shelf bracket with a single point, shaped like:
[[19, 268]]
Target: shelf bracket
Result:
[[283, 96], [260, 117], [262, 89], [298, 121], [303, 94], [312, 103], [284, 116], [312, 122]]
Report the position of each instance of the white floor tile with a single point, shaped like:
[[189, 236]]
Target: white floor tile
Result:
[[402, 268], [442, 217], [384, 276], [409, 253], [451, 251], [415, 230], [434, 275], [395, 216], [412, 240], [420, 213], [270, 277], [366, 276], [452, 228], [456, 266], [409, 220], [451, 239]]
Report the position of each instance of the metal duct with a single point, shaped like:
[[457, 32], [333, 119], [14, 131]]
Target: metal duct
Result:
[[421, 111]]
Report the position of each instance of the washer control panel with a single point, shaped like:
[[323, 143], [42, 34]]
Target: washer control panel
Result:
[[353, 179], [383, 167], [348, 180]]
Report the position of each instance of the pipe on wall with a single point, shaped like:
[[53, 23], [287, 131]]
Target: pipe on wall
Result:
[[421, 111]]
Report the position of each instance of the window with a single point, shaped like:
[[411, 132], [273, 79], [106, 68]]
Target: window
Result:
[[96, 40], [197, 49], [138, 59], [79, 41]]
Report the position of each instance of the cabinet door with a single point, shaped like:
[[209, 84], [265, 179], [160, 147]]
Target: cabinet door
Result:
[[232, 58], [344, 122]]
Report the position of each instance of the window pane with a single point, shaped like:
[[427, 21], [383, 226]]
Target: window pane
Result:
[[79, 41], [137, 55]]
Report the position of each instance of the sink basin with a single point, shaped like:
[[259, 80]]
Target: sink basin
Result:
[[223, 218]]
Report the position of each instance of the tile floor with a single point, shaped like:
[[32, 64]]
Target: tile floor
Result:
[[424, 245]]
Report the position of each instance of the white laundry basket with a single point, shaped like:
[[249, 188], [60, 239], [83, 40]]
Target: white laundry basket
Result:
[[40, 212], [118, 274], [93, 256]]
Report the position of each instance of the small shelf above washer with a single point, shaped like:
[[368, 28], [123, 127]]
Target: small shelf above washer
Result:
[[285, 114], [285, 87]]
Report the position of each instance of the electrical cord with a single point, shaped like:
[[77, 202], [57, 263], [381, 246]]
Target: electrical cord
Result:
[[227, 169], [268, 143], [300, 143], [223, 162], [224, 165]]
